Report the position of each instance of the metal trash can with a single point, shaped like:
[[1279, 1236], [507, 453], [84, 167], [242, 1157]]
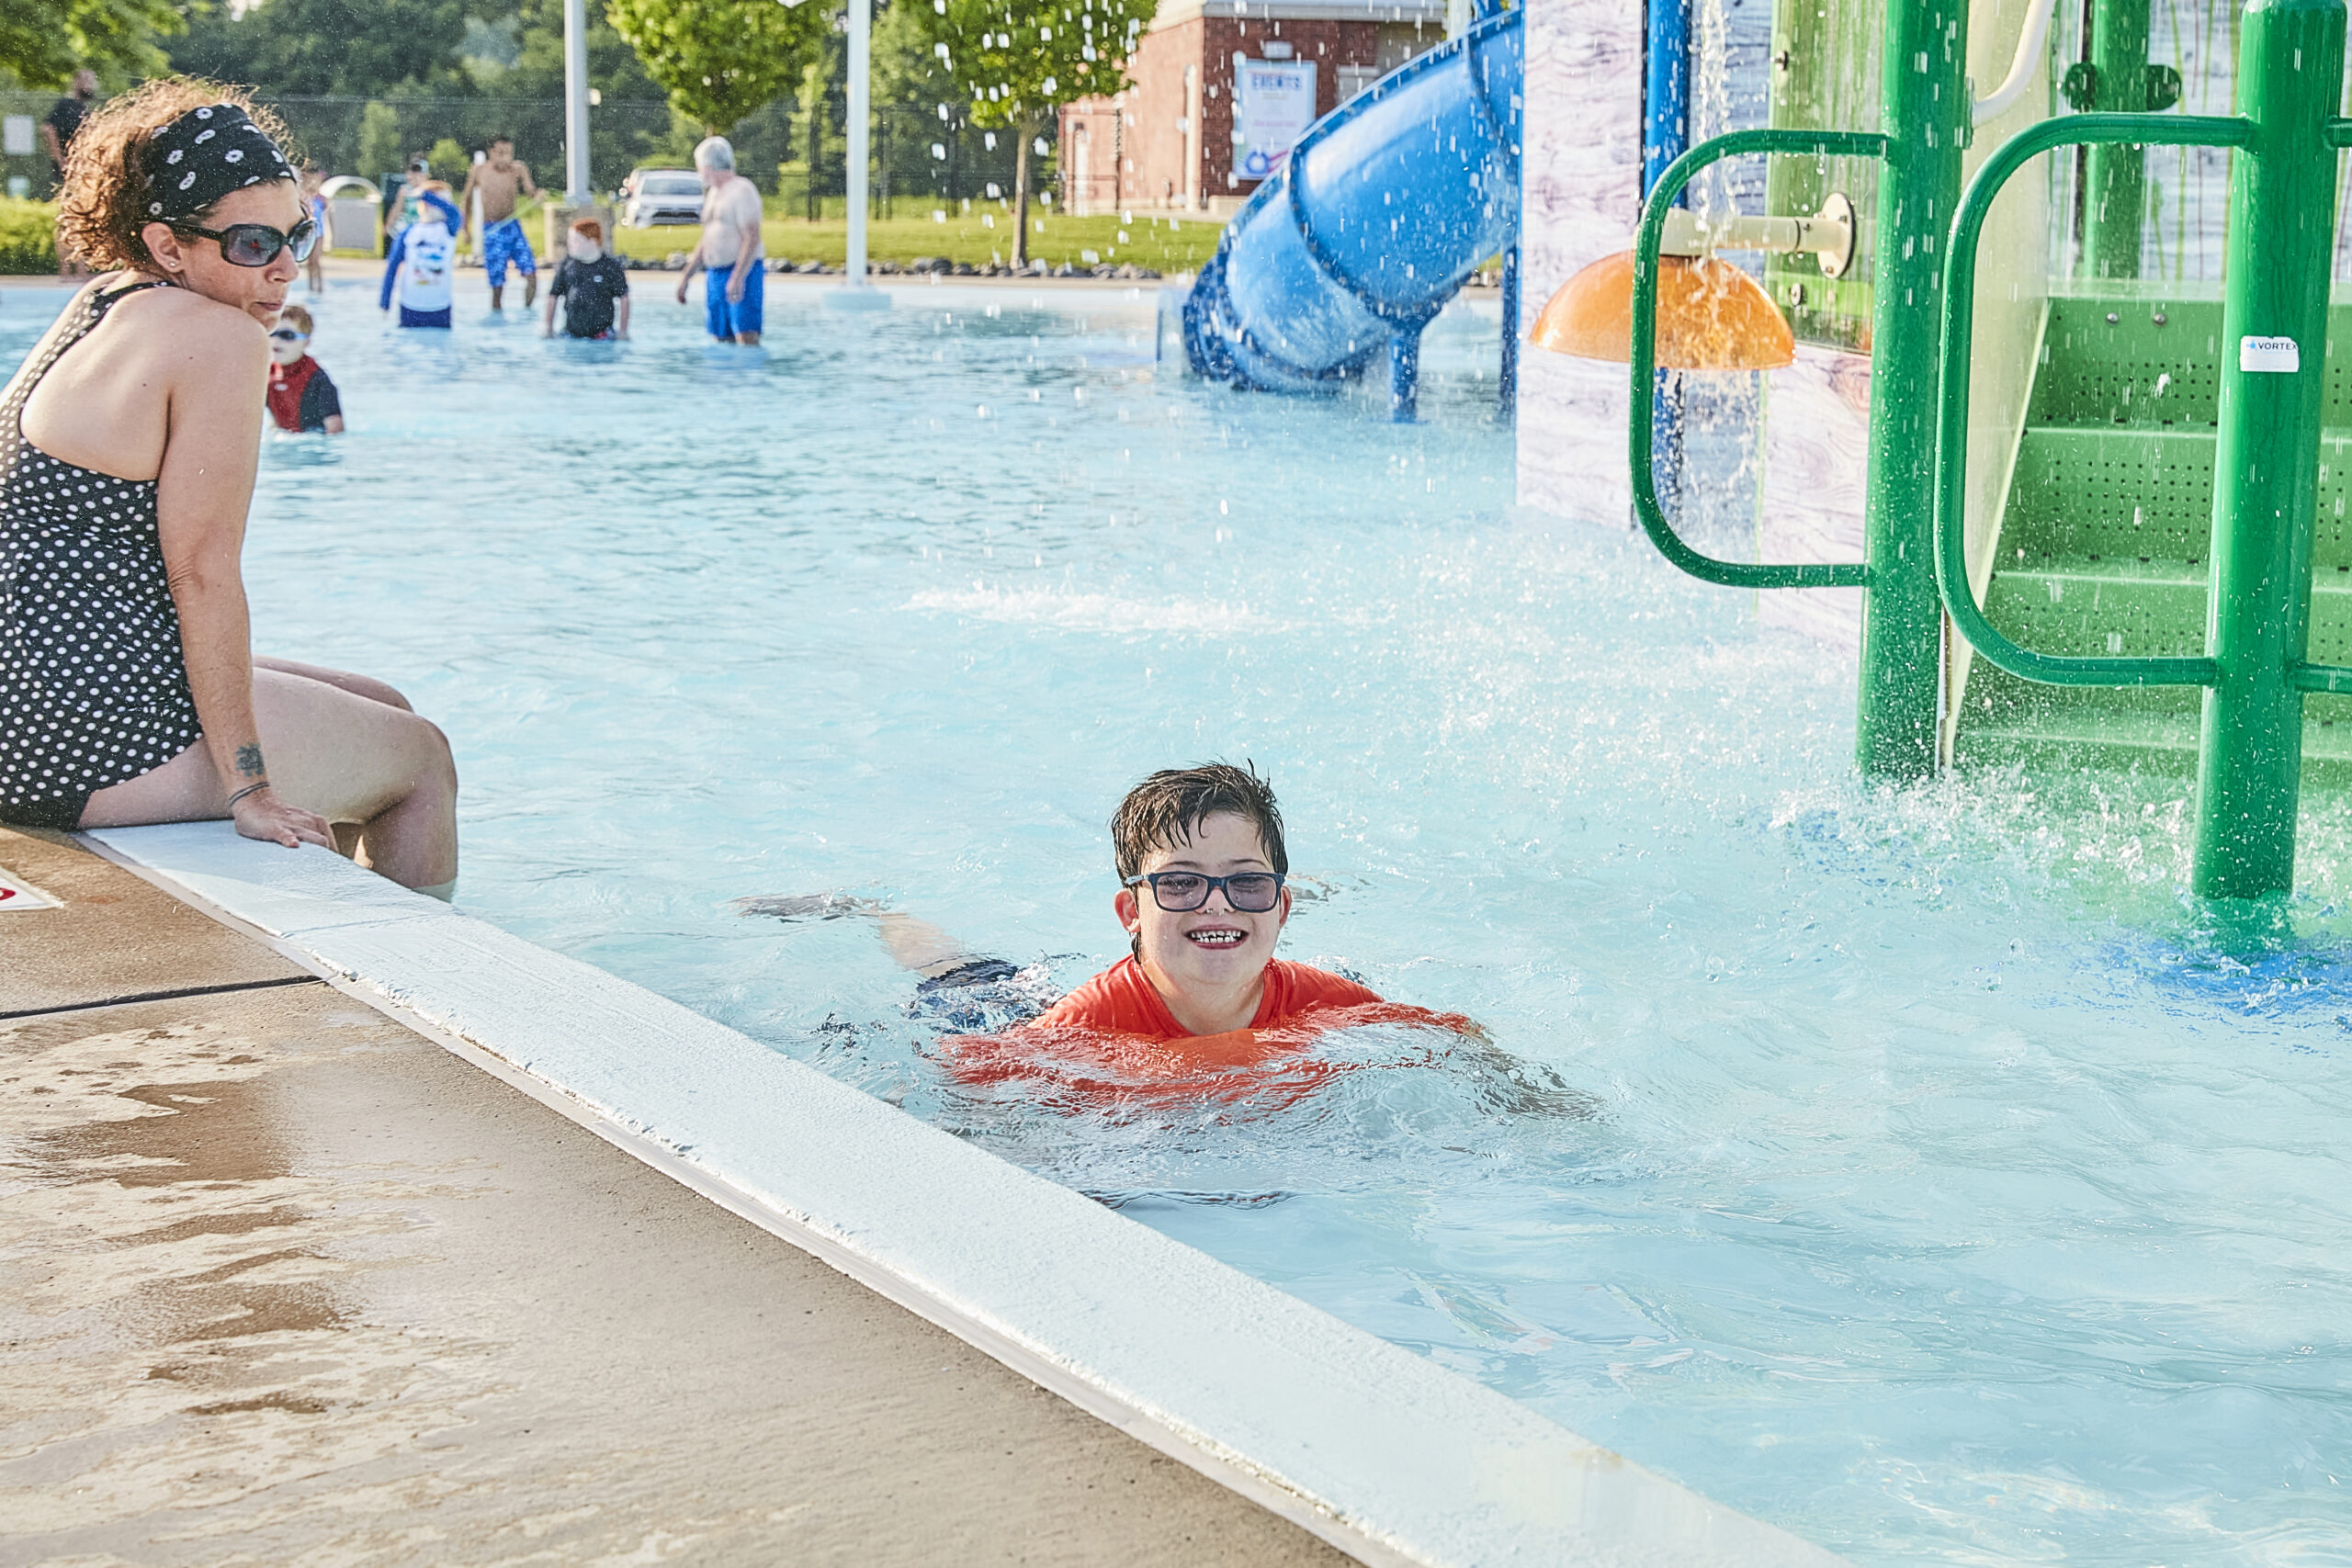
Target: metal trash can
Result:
[[352, 221]]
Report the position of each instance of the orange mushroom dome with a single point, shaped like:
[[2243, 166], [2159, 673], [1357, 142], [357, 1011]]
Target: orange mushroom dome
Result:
[[1711, 316]]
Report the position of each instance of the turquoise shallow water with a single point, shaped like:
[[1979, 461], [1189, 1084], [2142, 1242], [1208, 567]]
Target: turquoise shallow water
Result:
[[1918, 1170]]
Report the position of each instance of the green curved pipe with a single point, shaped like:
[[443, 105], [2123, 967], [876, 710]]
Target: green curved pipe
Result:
[[1644, 354]]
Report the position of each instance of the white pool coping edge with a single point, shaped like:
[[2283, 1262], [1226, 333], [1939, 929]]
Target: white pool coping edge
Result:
[[1381, 1452]]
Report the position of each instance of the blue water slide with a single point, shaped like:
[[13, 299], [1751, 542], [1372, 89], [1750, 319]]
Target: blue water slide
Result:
[[1382, 210]]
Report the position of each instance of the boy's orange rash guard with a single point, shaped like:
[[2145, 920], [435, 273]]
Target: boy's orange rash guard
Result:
[[1113, 1038], [1122, 1000]]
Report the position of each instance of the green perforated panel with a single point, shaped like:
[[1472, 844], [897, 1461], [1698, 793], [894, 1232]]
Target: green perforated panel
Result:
[[2152, 363], [2079, 613], [2103, 495]]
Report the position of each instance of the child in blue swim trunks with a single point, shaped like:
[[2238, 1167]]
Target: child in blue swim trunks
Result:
[[502, 180]]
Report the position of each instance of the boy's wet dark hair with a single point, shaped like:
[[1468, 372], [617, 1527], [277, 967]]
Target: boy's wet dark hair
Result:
[[1162, 812]]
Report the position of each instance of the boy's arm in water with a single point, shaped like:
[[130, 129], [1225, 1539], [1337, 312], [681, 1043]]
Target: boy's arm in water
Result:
[[913, 944]]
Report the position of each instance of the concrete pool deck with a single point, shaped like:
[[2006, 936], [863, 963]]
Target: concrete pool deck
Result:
[[287, 1281], [288, 1220]]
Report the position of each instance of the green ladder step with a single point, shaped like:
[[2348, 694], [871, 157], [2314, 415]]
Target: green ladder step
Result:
[[2143, 495], [2103, 542]]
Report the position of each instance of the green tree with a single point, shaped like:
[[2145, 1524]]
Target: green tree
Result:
[[907, 69], [614, 69], [1021, 59], [721, 59], [450, 161], [45, 42], [317, 47], [380, 140]]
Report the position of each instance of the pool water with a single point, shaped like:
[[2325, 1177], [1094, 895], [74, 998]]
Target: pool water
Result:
[[1920, 1171]]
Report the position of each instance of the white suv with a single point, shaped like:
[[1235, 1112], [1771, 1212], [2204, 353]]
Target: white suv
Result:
[[652, 197]]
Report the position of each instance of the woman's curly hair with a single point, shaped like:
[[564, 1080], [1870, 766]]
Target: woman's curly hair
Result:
[[103, 204]]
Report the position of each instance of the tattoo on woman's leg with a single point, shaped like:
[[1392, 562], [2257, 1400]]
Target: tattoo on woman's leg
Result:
[[249, 763]]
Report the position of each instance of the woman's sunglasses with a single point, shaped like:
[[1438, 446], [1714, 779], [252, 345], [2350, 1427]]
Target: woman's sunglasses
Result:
[[257, 245], [1182, 892]]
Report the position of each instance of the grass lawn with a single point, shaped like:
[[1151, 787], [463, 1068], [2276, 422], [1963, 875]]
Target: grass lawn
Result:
[[1166, 243], [979, 233]]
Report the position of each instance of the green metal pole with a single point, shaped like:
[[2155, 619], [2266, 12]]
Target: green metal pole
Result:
[[1924, 110], [2274, 346], [2115, 191]]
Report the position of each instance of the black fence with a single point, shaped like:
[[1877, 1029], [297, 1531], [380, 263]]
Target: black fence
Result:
[[794, 150], [25, 169], [373, 137], [920, 160]]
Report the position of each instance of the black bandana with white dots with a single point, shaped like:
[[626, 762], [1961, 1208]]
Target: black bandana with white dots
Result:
[[202, 156]]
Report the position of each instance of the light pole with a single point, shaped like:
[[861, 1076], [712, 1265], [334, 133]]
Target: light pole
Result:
[[856, 293], [577, 190]]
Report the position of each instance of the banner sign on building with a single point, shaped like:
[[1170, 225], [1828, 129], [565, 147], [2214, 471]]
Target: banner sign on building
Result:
[[1274, 103]]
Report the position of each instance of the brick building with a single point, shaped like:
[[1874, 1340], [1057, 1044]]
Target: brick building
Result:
[[1168, 141]]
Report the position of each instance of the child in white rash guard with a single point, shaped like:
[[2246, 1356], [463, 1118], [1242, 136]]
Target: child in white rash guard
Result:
[[418, 271]]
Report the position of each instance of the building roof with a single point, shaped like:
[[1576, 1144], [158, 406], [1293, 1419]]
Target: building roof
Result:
[[1175, 13]]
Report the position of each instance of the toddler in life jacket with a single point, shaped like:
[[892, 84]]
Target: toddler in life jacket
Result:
[[424, 255], [301, 397]]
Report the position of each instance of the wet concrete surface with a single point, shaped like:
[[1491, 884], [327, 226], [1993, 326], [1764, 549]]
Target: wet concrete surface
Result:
[[115, 937], [282, 1282]]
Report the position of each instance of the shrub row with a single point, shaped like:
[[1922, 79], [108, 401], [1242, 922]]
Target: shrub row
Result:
[[27, 236]]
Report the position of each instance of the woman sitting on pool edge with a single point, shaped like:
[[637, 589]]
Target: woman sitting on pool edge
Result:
[[1203, 869], [129, 691]]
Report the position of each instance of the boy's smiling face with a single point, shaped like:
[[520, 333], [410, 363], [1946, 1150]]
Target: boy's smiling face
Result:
[[1213, 946]]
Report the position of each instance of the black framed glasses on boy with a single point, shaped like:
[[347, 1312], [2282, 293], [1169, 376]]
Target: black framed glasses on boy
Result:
[[257, 245], [1182, 892]]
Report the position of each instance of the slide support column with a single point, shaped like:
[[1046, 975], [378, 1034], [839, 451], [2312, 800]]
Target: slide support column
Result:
[[1666, 136], [1508, 392], [1404, 371]]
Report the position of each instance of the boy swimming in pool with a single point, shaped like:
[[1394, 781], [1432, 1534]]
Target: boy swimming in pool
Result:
[[1202, 867], [1204, 896]]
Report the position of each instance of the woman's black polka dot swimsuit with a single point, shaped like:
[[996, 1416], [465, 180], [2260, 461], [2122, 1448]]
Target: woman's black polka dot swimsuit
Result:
[[93, 686]]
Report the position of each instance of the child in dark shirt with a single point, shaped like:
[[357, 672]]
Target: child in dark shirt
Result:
[[301, 397], [592, 286]]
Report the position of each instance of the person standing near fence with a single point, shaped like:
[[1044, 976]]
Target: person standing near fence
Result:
[[64, 119], [315, 199], [502, 180], [57, 133], [730, 249]]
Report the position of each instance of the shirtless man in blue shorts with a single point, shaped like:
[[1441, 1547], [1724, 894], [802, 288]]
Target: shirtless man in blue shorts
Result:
[[502, 180]]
